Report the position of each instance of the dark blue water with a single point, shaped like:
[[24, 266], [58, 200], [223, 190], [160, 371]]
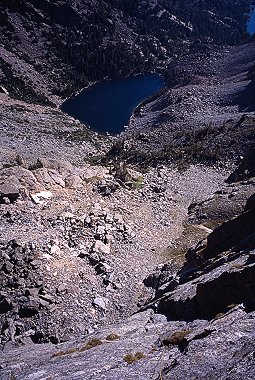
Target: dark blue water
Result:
[[251, 23], [107, 106]]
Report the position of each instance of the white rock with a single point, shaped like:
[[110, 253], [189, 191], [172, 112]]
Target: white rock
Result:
[[99, 301], [55, 250], [46, 256], [38, 198], [3, 90], [100, 230], [100, 247], [67, 215], [109, 238], [44, 194]]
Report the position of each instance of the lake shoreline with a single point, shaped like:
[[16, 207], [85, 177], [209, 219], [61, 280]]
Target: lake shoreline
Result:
[[106, 106], [251, 22]]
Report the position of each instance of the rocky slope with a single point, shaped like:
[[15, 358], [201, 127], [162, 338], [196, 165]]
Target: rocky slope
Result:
[[88, 238], [205, 117], [77, 241], [129, 256], [184, 332]]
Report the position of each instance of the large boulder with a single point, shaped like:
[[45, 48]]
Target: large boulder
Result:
[[58, 173], [9, 188], [15, 181], [212, 292], [218, 272], [230, 234], [246, 168]]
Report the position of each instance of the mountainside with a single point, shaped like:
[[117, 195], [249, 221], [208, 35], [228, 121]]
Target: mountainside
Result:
[[52, 48], [128, 256], [200, 322], [206, 116]]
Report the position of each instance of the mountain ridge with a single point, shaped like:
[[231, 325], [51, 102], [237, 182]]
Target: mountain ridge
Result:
[[132, 255], [55, 57]]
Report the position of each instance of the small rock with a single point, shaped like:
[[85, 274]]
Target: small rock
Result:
[[33, 292], [67, 215], [29, 310], [55, 250], [62, 288], [10, 189], [39, 198], [103, 268], [87, 220], [90, 330], [100, 247], [100, 230], [6, 200], [98, 301], [94, 258], [48, 298], [109, 238], [83, 254], [35, 263], [5, 304], [73, 182], [57, 178]]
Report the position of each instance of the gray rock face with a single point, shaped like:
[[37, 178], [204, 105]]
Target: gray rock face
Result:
[[121, 351], [223, 205], [137, 349], [203, 327], [229, 284], [217, 275], [246, 169], [223, 350], [230, 234], [9, 189], [22, 294]]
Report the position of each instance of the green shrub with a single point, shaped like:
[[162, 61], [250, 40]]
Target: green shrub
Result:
[[137, 184]]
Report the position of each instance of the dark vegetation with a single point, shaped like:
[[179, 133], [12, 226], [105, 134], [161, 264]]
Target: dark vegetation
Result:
[[19, 88], [176, 338], [210, 144], [75, 42]]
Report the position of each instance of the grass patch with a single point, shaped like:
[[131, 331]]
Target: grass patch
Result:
[[213, 223], [176, 338], [236, 266], [132, 358], [190, 235], [67, 352], [93, 179], [90, 344], [112, 337], [138, 182], [96, 160], [218, 316]]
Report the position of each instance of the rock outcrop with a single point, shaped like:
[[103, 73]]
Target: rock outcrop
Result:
[[199, 324], [78, 241], [246, 168], [218, 272], [23, 295]]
